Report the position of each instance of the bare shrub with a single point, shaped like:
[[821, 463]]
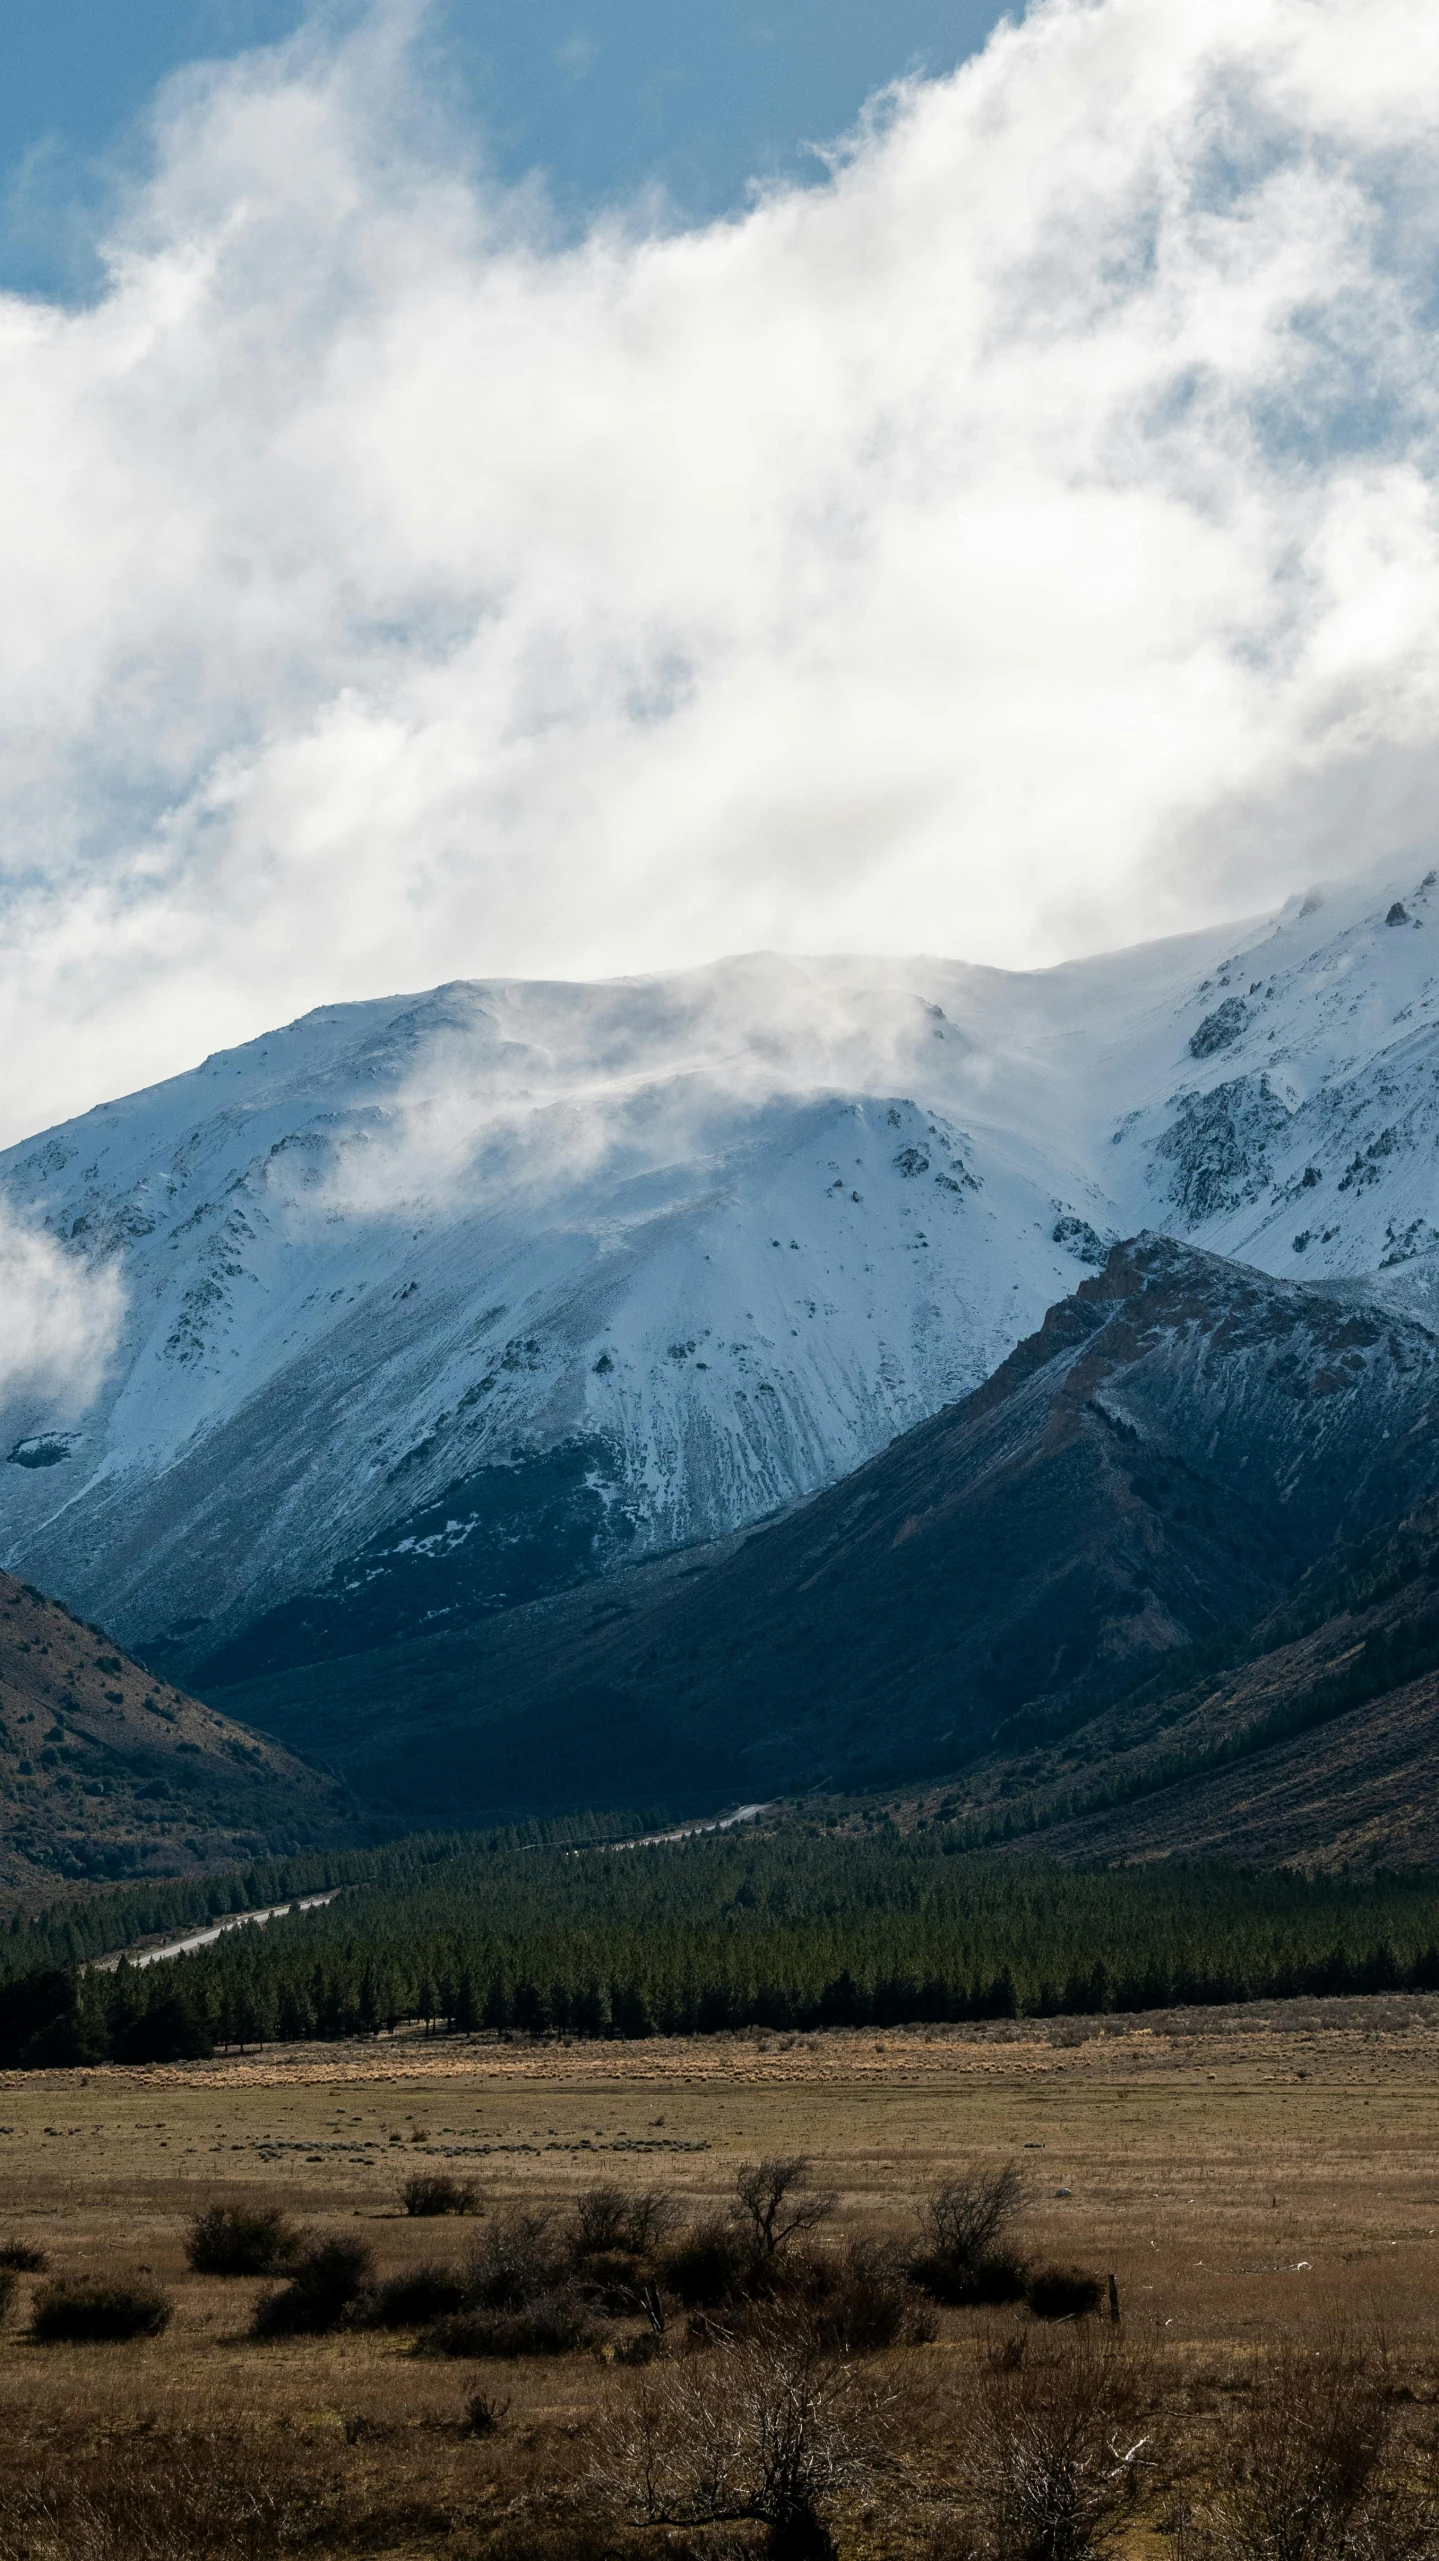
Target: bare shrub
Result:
[[548, 2325], [323, 2292], [1055, 2447], [516, 2260], [22, 2256], [518, 2298], [435, 2192], [153, 2495], [967, 2217], [854, 2301], [415, 2296], [611, 2238], [774, 2203], [486, 2415], [769, 2429], [79, 2308], [707, 2265], [1063, 2294], [242, 2240], [7, 2290], [609, 2221], [966, 2255], [1303, 2475]]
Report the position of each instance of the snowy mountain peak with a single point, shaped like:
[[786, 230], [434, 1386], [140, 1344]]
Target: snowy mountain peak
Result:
[[432, 1302]]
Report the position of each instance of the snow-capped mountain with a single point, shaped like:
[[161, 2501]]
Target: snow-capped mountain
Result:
[[433, 1303], [1161, 1463]]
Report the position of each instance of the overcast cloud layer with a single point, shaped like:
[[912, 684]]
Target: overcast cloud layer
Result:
[[1026, 543]]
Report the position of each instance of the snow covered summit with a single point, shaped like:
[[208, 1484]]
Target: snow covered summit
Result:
[[435, 1303]]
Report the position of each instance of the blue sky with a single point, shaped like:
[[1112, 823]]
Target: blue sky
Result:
[[605, 96]]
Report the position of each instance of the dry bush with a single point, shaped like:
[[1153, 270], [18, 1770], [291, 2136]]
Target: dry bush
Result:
[[743, 2256], [609, 2221], [1055, 2443], [22, 2256], [966, 2255], [81, 2308], [7, 2290], [706, 2267], [774, 2203], [611, 2238], [854, 2301], [519, 2296], [242, 2240], [1063, 2294], [158, 2496], [516, 2260], [415, 2296], [486, 2415], [549, 2325], [324, 2291], [435, 2192], [769, 2429], [1304, 2474]]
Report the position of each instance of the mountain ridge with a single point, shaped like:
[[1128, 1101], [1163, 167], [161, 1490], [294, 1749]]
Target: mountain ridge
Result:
[[437, 1305], [1174, 1447]]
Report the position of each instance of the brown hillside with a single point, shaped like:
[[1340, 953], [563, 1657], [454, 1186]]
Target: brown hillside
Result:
[[1366, 1787], [106, 1773]]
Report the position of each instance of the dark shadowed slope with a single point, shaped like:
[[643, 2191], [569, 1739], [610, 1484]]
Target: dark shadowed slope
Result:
[[106, 1772], [1174, 1447], [1313, 1735]]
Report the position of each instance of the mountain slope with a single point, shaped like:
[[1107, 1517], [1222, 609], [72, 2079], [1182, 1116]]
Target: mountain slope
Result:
[[1311, 1734], [1179, 1441], [1365, 1787], [106, 1772], [437, 1305]]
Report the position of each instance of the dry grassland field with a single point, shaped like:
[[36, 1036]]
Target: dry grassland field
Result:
[[1248, 2176]]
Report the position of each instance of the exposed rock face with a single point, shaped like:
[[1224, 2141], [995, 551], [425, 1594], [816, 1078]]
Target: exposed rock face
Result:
[[1218, 1144], [1219, 1029]]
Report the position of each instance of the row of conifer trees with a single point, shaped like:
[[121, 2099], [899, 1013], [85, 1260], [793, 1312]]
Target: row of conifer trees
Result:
[[794, 1930]]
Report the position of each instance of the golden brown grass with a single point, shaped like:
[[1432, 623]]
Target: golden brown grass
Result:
[[1244, 2175]]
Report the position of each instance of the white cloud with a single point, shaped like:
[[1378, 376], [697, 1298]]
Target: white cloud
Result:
[[59, 1319], [1027, 541]]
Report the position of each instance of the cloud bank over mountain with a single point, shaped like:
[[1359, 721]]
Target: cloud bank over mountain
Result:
[[1023, 543], [60, 1316]]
